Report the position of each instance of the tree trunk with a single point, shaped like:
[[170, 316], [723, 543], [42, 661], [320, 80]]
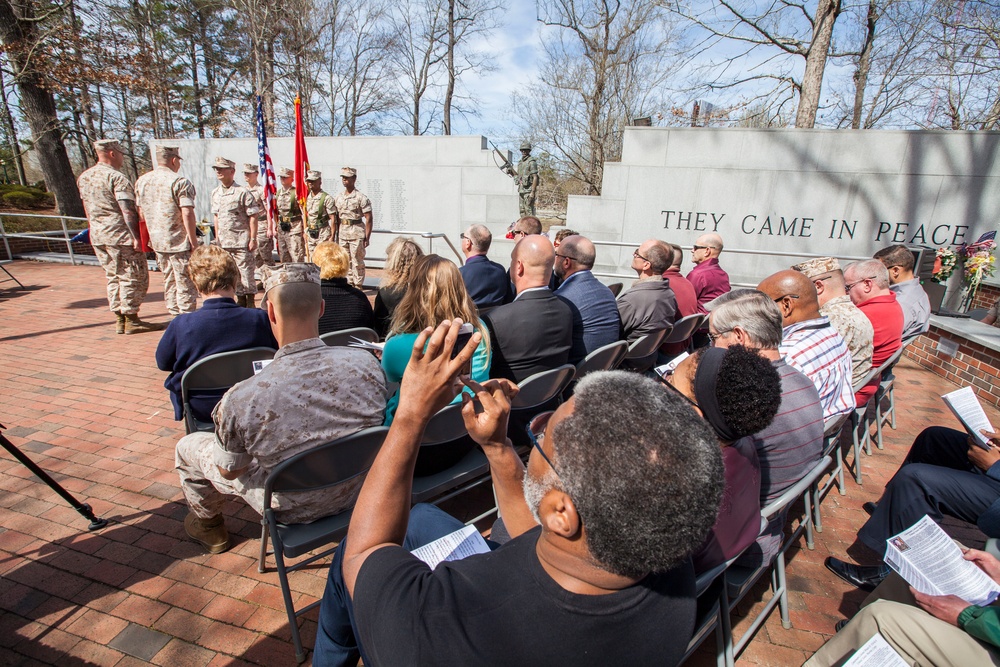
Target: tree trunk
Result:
[[39, 108], [819, 49], [15, 144], [196, 90], [864, 66], [86, 107], [450, 90]]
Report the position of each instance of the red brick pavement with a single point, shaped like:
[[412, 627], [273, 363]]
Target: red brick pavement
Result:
[[89, 406]]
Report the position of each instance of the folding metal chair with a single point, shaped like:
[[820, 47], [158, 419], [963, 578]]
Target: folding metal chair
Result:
[[602, 359], [321, 467], [345, 337], [217, 372], [641, 353], [886, 389], [832, 429], [541, 388], [860, 427], [616, 288], [684, 328]]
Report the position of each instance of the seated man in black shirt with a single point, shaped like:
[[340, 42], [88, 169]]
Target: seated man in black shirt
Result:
[[625, 480]]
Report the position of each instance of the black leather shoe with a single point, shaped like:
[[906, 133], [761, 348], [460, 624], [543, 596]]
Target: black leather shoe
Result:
[[841, 623], [870, 507], [864, 577]]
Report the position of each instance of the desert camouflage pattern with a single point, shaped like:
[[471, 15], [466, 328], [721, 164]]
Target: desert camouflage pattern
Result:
[[160, 194], [291, 246], [323, 234], [309, 395], [856, 330], [179, 292], [351, 207], [319, 209], [233, 208], [352, 239], [102, 188], [265, 245], [128, 276]]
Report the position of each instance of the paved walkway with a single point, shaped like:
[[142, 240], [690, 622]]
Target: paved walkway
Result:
[[89, 406]]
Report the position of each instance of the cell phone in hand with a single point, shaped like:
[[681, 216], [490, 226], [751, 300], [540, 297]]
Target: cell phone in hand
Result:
[[464, 336]]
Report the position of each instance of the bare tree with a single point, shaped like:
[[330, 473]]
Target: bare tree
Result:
[[466, 20], [420, 50]]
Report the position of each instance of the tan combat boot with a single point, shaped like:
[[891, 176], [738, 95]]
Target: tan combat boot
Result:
[[120, 324], [134, 325], [250, 301], [209, 533]]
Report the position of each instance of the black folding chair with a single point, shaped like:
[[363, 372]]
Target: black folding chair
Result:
[[602, 359], [345, 337], [684, 328], [641, 353], [217, 373]]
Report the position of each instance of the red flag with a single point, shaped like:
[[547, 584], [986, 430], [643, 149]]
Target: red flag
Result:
[[301, 157]]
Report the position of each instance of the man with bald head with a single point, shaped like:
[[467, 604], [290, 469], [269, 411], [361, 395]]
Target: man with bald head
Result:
[[599, 319], [868, 287], [485, 280], [534, 332], [708, 278], [312, 394], [809, 342]]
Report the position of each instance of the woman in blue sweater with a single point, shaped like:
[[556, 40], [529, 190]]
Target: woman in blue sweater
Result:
[[220, 326]]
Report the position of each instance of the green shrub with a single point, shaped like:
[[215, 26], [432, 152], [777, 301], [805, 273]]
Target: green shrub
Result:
[[21, 199]]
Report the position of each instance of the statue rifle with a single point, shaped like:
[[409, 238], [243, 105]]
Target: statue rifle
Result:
[[506, 167]]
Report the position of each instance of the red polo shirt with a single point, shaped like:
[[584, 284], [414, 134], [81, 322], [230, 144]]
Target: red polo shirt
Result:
[[886, 317], [687, 298], [709, 280]]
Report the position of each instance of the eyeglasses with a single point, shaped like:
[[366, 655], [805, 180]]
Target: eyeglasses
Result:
[[636, 254], [717, 335], [536, 432], [786, 296], [680, 393], [701, 247], [572, 259], [518, 232], [848, 288], [464, 237]]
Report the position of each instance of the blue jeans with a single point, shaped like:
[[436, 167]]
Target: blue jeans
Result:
[[336, 636]]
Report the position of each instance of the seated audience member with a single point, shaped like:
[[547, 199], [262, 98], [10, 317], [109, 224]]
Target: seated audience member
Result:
[[347, 307], [220, 326], [561, 236], [738, 392], [485, 280], [533, 333], [649, 305], [607, 574], [526, 226], [684, 292], [436, 293], [910, 294], [598, 312], [400, 256], [709, 279], [939, 630], [311, 393], [868, 287], [943, 474], [854, 327], [793, 443], [809, 342]]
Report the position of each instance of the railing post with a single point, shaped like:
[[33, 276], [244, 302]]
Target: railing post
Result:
[[69, 244], [6, 244]]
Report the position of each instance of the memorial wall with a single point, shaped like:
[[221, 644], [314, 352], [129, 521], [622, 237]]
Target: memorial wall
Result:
[[439, 184], [844, 193]]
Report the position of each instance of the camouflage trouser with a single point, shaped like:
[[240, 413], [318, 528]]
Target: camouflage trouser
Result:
[[265, 246], [352, 239], [128, 276], [179, 292], [291, 247], [246, 262], [526, 203], [325, 234]]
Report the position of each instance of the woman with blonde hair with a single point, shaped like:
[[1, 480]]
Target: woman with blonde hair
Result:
[[347, 307], [436, 293], [401, 256]]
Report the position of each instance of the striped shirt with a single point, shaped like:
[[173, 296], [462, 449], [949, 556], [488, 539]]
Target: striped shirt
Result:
[[816, 349]]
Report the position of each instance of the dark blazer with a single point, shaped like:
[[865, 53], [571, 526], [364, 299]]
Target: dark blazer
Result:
[[386, 301], [486, 281], [597, 308], [219, 326], [533, 333], [347, 307]]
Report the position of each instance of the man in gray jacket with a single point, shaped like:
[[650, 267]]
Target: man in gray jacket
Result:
[[649, 305]]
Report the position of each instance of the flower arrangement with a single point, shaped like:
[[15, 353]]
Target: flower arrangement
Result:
[[979, 262], [944, 264]]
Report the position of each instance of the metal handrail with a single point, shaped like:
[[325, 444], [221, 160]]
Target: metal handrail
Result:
[[430, 236], [41, 236]]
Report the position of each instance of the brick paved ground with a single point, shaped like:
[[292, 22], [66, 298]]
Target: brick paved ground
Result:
[[89, 406]]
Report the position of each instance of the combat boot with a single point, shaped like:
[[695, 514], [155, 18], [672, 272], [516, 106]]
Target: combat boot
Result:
[[241, 300], [120, 324], [209, 533], [250, 301], [134, 325]]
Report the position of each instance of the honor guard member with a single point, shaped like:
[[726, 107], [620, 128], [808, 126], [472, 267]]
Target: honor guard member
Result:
[[319, 213], [354, 215], [235, 213], [527, 180], [166, 203], [291, 246], [265, 236], [109, 200]]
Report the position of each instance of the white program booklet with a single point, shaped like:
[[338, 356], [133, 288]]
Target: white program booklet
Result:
[[966, 406], [364, 344], [454, 546], [669, 367], [932, 563], [876, 652], [260, 365]]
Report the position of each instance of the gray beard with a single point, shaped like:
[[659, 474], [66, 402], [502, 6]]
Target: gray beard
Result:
[[534, 490]]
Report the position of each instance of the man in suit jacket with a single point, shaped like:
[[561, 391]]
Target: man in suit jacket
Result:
[[599, 318], [534, 332], [485, 280]]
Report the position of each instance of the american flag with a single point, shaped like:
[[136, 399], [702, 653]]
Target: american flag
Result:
[[266, 169]]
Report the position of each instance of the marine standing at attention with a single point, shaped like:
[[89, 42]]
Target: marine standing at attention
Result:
[[354, 215], [265, 237], [319, 213], [234, 210], [291, 246]]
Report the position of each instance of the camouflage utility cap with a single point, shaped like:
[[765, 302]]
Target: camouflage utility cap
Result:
[[223, 163], [314, 175], [284, 274], [817, 267], [525, 145], [250, 168], [104, 145], [167, 152], [348, 172], [285, 172]]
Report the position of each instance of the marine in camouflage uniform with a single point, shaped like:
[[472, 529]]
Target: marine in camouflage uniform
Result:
[[109, 200], [265, 237], [315, 393], [319, 213], [166, 201], [235, 212], [527, 180], [291, 245], [852, 324], [354, 216]]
